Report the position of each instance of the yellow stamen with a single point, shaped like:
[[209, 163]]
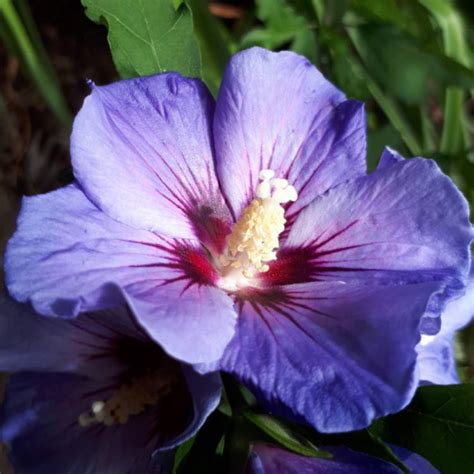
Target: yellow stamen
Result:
[[255, 237], [130, 399]]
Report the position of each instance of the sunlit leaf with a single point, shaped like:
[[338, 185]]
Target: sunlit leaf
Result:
[[281, 25], [284, 435], [148, 36]]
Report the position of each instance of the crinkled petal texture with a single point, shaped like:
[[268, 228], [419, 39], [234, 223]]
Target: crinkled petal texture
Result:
[[334, 333], [405, 223], [335, 355], [436, 357], [70, 364], [268, 459], [142, 151], [437, 362], [276, 111], [68, 257]]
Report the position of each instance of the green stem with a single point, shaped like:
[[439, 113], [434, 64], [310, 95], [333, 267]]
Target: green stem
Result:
[[455, 137], [40, 74], [234, 395]]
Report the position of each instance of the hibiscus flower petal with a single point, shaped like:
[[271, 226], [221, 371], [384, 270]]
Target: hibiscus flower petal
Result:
[[414, 461], [436, 356], [333, 355], [276, 111], [406, 222], [68, 257], [268, 459], [437, 362], [142, 151], [39, 422], [86, 345]]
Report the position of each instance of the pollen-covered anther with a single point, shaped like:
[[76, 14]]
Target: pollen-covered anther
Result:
[[130, 399], [255, 237]]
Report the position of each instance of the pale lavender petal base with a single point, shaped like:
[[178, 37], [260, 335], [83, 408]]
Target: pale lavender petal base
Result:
[[276, 111]]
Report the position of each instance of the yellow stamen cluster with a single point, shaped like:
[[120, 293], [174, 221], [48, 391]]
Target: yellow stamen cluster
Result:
[[255, 236], [130, 399]]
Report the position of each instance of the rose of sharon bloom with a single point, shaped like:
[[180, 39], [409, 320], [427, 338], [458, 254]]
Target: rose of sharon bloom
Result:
[[94, 394], [251, 217], [436, 358], [268, 459]]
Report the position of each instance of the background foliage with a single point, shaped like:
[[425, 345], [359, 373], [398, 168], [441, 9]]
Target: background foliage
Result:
[[410, 61]]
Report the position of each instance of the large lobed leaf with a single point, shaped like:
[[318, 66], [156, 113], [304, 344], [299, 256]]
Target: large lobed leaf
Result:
[[148, 36], [439, 425]]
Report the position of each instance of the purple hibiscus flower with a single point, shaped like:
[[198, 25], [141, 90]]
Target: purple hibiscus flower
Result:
[[251, 218], [436, 358], [268, 459], [94, 394]]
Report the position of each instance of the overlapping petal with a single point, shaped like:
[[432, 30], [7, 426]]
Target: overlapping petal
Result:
[[68, 257], [142, 151], [335, 355], [406, 222], [276, 110], [416, 463], [436, 357], [30, 343], [64, 366], [38, 421], [268, 459]]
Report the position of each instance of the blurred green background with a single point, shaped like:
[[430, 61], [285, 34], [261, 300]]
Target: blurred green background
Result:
[[410, 61]]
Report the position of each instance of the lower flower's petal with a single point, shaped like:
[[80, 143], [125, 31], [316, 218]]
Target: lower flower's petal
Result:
[[68, 257], [206, 394], [39, 422], [91, 345], [416, 463], [406, 222], [142, 151], [276, 110], [334, 355], [268, 459]]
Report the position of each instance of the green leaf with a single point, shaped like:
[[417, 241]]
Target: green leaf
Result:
[[405, 67], [305, 44], [346, 72], [281, 25], [438, 425], [389, 105], [406, 17], [377, 140], [181, 453], [201, 457], [284, 435], [148, 36], [213, 43]]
